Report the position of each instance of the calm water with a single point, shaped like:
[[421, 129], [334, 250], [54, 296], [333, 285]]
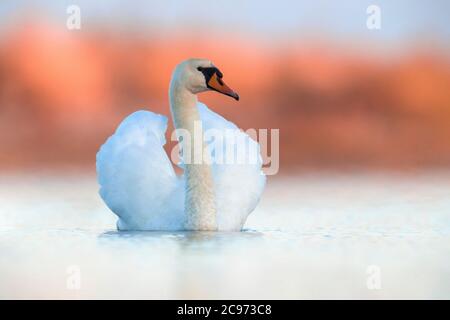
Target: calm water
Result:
[[312, 236]]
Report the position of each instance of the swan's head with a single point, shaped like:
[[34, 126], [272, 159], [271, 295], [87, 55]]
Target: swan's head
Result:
[[199, 75]]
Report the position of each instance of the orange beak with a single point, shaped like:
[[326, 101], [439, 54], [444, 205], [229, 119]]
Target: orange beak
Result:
[[216, 83]]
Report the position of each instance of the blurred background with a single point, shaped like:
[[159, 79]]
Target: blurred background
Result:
[[342, 95]]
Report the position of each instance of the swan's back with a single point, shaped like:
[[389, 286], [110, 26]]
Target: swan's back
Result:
[[138, 182]]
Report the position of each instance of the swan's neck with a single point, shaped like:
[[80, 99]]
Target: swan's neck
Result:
[[199, 200]]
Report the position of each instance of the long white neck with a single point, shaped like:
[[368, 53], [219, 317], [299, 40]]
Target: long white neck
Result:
[[200, 200]]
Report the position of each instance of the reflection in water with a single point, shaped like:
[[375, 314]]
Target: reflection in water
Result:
[[311, 237], [202, 240], [185, 235]]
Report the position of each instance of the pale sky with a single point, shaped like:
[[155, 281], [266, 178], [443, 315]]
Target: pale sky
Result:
[[401, 19]]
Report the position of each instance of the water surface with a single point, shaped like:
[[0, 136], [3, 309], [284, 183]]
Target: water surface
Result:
[[312, 236]]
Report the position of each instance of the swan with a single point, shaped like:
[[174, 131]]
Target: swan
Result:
[[138, 181]]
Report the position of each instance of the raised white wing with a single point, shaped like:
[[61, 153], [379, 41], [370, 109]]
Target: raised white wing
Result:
[[137, 180], [237, 170]]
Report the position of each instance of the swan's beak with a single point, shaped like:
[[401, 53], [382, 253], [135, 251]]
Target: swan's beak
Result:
[[216, 83]]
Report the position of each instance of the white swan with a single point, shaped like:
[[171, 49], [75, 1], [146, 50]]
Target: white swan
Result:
[[137, 179]]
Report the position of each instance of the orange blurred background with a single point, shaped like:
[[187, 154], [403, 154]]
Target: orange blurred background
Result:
[[339, 102]]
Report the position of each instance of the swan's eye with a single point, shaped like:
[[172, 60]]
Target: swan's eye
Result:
[[200, 69]]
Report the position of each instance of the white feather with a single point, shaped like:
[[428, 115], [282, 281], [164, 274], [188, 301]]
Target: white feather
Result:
[[138, 182]]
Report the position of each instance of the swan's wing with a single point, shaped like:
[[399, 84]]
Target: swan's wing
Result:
[[238, 183], [137, 180]]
